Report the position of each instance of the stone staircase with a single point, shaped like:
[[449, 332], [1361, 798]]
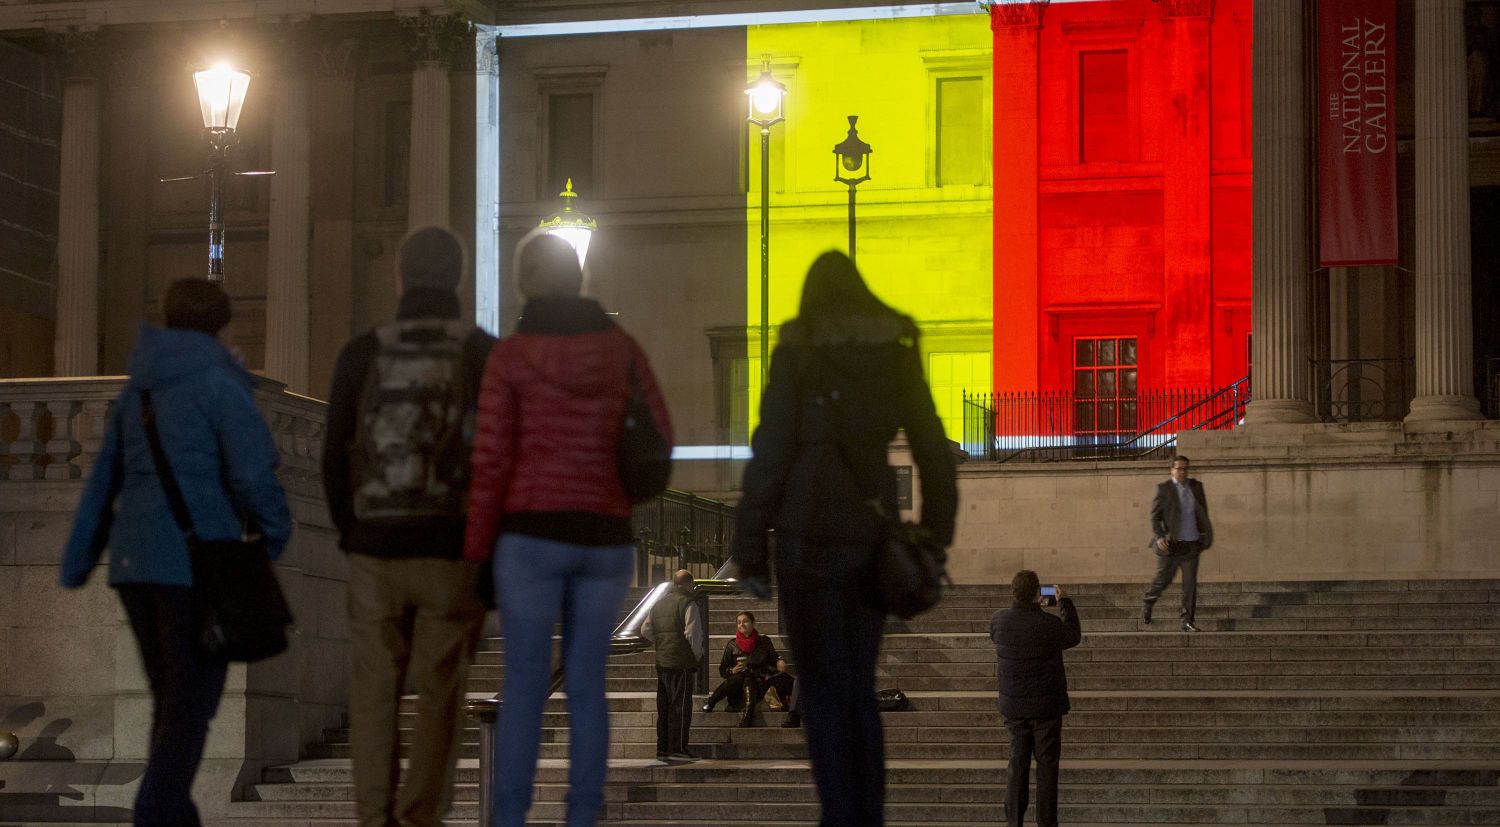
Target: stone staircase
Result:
[[1346, 703]]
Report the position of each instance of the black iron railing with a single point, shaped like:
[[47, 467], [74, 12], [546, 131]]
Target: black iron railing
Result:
[[678, 530], [1035, 427], [1363, 390]]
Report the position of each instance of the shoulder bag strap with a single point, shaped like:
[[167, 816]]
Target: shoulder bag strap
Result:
[[169, 485]]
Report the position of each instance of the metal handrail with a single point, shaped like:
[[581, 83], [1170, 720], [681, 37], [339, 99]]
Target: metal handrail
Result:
[[1233, 388], [626, 639], [1136, 446]]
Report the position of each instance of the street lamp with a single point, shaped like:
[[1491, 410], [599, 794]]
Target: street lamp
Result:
[[221, 97], [572, 226], [767, 99], [852, 156]]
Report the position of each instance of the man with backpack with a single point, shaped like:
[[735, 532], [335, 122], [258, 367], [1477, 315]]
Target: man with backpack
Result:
[[396, 474]]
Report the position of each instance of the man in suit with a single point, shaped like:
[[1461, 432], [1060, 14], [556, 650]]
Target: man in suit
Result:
[[1029, 645], [1180, 531]]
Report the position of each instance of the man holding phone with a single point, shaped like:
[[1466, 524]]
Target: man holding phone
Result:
[[1180, 531], [1033, 691]]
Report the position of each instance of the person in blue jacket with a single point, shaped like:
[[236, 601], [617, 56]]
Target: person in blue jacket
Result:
[[225, 461]]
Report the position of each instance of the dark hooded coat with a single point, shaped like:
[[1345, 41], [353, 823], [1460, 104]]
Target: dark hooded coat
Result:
[[841, 386]]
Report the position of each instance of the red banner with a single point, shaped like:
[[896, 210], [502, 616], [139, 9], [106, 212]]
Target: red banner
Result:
[[1356, 132]]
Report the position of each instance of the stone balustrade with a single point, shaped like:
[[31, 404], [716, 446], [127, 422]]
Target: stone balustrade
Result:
[[71, 686], [52, 429]]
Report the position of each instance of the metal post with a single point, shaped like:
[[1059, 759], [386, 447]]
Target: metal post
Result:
[[218, 161], [486, 710], [851, 223], [765, 254]]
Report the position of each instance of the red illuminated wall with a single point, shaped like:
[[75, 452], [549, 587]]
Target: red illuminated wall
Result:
[[1122, 188]]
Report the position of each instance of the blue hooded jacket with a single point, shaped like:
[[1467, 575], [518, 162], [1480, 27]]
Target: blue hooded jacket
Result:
[[218, 446]]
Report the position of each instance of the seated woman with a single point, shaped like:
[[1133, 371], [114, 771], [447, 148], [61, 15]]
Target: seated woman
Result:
[[746, 666]]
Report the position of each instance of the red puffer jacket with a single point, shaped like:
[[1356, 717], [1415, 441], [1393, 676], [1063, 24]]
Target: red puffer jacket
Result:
[[550, 414]]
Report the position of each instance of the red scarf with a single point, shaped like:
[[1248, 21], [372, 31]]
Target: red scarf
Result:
[[746, 644]]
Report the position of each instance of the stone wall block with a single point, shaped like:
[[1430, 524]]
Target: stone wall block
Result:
[[58, 660], [41, 538]]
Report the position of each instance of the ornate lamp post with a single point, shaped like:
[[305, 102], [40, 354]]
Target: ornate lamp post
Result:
[[852, 156], [766, 97], [221, 96], [572, 226]]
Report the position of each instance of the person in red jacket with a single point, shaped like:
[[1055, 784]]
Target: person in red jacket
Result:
[[547, 501]]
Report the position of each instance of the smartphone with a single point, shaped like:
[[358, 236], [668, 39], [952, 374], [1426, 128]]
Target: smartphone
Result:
[[1049, 595]]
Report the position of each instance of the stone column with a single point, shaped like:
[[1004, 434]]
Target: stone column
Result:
[[286, 277], [76, 337], [1281, 254], [487, 182], [1187, 283], [1445, 333], [1017, 30], [434, 40]]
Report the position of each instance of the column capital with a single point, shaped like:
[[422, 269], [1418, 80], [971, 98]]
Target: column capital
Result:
[[1186, 8], [82, 52], [439, 38], [337, 58], [486, 55], [1014, 14]]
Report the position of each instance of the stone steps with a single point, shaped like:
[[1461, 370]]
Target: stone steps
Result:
[[1322, 703]]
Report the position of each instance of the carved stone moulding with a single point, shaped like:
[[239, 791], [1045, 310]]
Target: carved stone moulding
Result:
[[440, 38], [1187, 8], [1012, 13]]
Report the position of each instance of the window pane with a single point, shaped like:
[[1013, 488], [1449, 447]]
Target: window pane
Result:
[[1107, 417], [1107, 351], [570, 145], [1084, 355], [960, 131], [1127, 383], [1127, 351], [1104, 106], [1106, 384], [1127, 417], [1083, 384], [1083, 416]]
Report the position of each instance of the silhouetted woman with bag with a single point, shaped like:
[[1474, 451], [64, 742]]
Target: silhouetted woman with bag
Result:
[[845, 377]]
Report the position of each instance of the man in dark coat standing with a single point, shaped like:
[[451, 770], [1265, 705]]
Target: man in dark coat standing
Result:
[[1180, 531], [675, 627], [1033, 692]]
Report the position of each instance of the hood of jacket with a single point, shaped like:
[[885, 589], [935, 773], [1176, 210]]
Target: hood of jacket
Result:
[[165, 356], [570, 343]]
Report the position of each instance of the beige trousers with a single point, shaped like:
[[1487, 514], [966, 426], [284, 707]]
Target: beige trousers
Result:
[[418, 616]]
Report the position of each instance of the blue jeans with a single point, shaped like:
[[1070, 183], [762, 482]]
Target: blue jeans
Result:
[[537, 582]]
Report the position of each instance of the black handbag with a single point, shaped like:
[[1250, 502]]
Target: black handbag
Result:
[[238, 607], [892, 700], [644, 459], [911, 568]]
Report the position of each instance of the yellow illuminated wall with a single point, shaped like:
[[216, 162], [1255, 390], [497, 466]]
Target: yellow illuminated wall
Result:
[[921, 89]]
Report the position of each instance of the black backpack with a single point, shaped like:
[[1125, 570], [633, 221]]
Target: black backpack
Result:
[[412, 439]]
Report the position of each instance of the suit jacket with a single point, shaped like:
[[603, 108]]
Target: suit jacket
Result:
[[1166, 512]]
